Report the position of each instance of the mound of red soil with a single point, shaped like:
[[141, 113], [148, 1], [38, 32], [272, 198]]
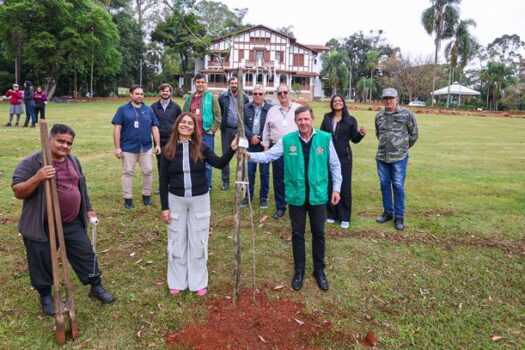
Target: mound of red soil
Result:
[[267, 324]]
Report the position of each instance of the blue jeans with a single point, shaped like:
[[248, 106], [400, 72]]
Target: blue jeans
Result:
[[209, 141], [392, 178], [30, 112], [278, 183], [264, 172]]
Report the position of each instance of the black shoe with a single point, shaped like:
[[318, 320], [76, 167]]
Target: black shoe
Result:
[[128, 203], [399, 224], [279, 213], [48, 305], [381, 219], [322, 282], [264, 203], [297, 280], [7, 124], [244, 202], [101, 294], [33, 125], [147, 200], [25, 125], [225, 186]]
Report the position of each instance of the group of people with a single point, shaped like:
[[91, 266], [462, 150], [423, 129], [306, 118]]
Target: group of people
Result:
[[311, 175], [35, 101]]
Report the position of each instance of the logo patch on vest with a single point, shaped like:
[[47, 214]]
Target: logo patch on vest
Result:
[[319, 151], [292, 150]]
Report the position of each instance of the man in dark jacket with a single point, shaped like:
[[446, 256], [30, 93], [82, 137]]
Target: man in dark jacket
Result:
[[166, 111], [229, 118], [254, 119], [28, 101], [75, 210]]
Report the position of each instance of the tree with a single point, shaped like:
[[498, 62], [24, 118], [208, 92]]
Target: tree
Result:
[[182, 32], [131, 47], [412, 77], [439, 19], [219, 19], [61, 37], [365, 86], [357, 46], [507, 49], [461, 50], [497, 77], [372, 61], [286, 31], [335, 70]]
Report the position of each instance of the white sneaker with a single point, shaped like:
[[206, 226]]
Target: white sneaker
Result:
[[345, 224], [330, 221]]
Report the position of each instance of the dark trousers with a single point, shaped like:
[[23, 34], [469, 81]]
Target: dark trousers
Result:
[[278, 183], [264, 172], [343, 210], [79, 253], [40, 107], [30, 113], [227, 136], [317, 216]]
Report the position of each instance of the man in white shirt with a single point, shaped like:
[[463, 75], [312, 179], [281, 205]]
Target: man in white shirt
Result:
[[279, 122]]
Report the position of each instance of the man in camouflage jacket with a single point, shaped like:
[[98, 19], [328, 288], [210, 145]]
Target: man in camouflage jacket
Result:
[[396, 130]]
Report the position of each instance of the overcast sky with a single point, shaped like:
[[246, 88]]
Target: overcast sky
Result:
[[316, 22]]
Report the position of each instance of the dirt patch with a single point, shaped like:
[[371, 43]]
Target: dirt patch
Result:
[[7, 221], [267, 324]]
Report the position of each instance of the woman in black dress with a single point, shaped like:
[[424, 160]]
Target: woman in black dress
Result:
[[344, 129]]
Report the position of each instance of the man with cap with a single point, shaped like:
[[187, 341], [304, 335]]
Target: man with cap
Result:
[[396, 130]]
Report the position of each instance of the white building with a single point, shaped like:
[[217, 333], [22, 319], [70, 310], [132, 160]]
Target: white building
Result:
[[267, 57]]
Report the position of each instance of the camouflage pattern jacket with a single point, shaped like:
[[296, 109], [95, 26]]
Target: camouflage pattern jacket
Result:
[[396, 132]]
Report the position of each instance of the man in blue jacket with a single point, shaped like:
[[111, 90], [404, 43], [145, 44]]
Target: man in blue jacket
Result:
[[229, 117], [254, 119], [134, 123]]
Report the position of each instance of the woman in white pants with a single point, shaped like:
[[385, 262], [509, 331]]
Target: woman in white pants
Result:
[[185, 203]]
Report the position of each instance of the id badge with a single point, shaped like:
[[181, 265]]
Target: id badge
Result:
[[198, 111], [285, 123], [136, 124]]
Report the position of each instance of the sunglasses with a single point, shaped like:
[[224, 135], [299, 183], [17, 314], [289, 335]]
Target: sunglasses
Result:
[[280, 93], [257, 94]]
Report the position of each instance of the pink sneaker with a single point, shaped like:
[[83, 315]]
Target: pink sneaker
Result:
[[174, 291], [202, 292]]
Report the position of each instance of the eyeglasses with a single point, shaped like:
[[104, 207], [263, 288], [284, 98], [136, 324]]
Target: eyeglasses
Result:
[[280, 93], [257, 94]]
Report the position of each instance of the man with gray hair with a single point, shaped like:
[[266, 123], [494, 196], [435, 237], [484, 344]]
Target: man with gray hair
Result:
[[396, 130], [254, 119], [279, 122]]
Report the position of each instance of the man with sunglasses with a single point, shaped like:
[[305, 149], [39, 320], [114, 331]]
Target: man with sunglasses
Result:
[[279, 122], [254, 118], [396, 130], [75, 211]]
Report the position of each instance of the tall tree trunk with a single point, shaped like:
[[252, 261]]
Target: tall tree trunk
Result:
[[434, 71], [51, 85]]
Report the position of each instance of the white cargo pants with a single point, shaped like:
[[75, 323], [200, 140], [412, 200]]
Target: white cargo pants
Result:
[[188, 242]]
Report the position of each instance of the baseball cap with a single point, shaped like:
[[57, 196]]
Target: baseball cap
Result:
[[389, 92]]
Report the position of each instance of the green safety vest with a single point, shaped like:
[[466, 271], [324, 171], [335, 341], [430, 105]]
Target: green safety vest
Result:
[[207, 109], [294, 181]]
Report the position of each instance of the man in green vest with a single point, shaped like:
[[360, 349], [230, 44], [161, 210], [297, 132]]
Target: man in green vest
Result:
[[205, 107], [310, 162]]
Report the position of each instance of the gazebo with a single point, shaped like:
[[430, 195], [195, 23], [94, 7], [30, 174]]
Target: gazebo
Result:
[[456, 90]]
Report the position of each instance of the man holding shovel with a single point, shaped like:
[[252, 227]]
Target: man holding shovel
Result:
[[75, 211]]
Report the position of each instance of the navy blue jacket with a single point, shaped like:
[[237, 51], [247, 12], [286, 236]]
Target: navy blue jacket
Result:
[[224, 103], [249, 114], [166, 119]]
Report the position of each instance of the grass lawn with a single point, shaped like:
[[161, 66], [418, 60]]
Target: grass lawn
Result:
[[454, 279]]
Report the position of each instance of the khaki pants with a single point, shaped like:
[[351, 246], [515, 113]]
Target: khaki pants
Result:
[[129, 160], [188, 242]]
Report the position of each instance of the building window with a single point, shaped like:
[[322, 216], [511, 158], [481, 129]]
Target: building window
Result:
[[259, 40], [217, 78], [298, 59], [241, 55]]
